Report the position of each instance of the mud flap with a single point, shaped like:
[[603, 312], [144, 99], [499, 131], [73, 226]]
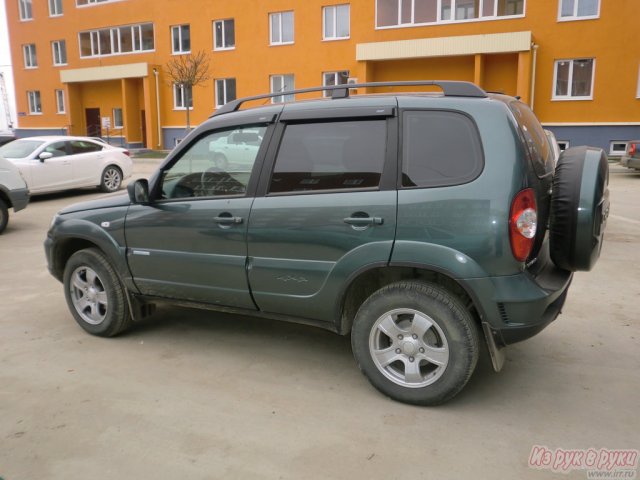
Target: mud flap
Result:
[[498, 356]]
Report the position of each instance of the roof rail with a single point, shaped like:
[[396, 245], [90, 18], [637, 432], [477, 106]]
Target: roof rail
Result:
[[450, 89]]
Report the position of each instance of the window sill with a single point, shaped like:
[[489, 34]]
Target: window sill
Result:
[[26, 19], [449, 22], [61, 113], [175, 54], [60, 64], [182, 109], [571, 99], [335, 39], [578, 19], [31, 68], [280, 44], [35, 113], [226, 49], [56, 15]]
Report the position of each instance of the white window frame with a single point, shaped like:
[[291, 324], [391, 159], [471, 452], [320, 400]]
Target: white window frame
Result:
[[440, 20], [25, 10], [115, 123], [617, 153], [223, 82], [179, 94], [93, 3], [575, 15], [34, 100], [30, 56], [178, 28], [569, 97], [57, 46], [334, 9], [281, 78], [293, 30], [222, 21], [136, 40], [336, 74], [55, 8], [60, 104]]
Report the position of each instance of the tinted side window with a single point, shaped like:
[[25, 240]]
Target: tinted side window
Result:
[[534, 135], [219, 163], [79, 146], [58, 149], [439, 148], [330, 156]]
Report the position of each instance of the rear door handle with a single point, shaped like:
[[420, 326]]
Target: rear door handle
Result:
[[364, 221], [228, 220]]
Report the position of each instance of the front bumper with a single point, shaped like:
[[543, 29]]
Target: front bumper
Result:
[[518, 307], [19, 198]]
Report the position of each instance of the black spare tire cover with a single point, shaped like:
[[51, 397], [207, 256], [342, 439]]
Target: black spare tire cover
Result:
[[579, 208]]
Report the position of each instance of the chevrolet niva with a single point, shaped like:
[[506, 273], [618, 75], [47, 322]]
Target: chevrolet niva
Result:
[[419, 223]]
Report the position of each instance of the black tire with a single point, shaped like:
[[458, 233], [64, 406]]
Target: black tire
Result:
[[453, 332], [220, 161], [111, 179], [103, 311], [4, 215], [579, 208]]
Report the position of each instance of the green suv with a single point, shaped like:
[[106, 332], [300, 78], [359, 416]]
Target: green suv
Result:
[[420, 223]]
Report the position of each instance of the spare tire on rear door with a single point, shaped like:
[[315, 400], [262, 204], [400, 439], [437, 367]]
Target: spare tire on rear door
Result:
[[579, 208]]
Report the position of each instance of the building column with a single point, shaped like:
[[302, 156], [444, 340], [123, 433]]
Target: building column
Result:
[[523, 87], [75, 111], [364, 73], [131, 110], [478, 70], [150, 109]]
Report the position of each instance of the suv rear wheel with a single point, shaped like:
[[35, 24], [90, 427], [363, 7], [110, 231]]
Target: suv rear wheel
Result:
[[4, 215], [95, 295], [415, 342]]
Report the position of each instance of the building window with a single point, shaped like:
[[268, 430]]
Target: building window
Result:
[[282, 83], [391, 13], [59, 48], [224, 34], [182, 97], [117, 118], [35, 107], [180, 39], [55, 8], [334, 78], [281, 28], [617, 149], [60, 101], [30, 60], [225, 91], [26, 10], [116, 40], [578, 9], [336, 22], [573, 79], [563, 145]]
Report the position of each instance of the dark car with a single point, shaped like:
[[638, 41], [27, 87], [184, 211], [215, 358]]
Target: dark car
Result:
[[631, 157], [421, 224]]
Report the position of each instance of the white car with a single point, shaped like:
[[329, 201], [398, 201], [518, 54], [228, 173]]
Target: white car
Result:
[[54, 163]]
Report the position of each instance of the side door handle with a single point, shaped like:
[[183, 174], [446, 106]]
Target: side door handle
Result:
[[364, 221], [227, 220]]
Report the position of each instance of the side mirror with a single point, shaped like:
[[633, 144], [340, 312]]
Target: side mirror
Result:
[[45, 156], [139, 191]]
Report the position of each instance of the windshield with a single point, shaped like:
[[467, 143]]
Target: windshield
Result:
[[19, 148]]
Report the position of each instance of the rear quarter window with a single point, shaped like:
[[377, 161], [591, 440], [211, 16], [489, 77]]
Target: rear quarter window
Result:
[[439, 148], [536, 140]]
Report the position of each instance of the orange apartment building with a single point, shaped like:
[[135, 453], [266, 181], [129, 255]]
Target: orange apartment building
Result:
[[97, 67]]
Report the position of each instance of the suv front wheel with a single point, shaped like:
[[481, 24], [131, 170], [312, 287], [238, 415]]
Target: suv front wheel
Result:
[[415, 342], [95, 295]]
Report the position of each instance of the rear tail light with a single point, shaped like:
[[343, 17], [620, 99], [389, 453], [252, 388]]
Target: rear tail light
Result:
[[632, 149], [127, 153], [523, 223]]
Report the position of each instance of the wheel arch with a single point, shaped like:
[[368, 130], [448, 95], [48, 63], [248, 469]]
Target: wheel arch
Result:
[[366, 281]]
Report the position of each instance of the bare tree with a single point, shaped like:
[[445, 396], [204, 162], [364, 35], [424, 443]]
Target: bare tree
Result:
[[188, 71]]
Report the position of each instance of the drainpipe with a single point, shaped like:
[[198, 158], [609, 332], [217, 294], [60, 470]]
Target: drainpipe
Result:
[[533, 74], [155, 74]]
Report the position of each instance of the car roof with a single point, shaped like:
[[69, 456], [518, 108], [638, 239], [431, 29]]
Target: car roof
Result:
[[49, 138]]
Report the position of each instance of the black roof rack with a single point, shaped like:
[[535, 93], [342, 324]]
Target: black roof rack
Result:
[[450, 89]]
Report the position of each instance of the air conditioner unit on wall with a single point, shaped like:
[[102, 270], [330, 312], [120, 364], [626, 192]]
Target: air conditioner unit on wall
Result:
[[352, 81]]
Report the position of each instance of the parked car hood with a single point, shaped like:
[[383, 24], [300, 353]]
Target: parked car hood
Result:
[[110, 201]]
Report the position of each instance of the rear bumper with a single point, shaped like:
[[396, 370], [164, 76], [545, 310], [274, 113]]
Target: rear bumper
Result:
[[630, 162], [518, 307], [19, 198]]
